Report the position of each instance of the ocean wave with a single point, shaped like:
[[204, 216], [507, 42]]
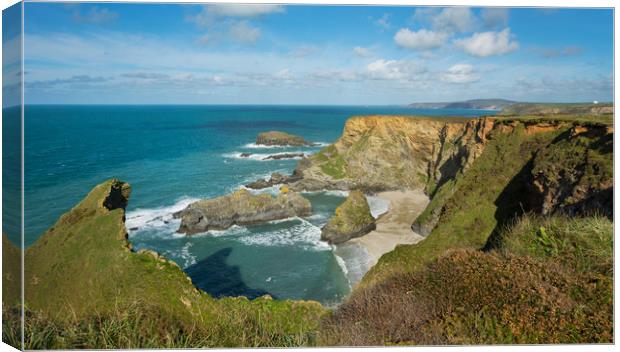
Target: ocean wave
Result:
[[330, 192], [378, 206], [263, 156], [354, 259], [156, 218], [303, 234], [262, 146]]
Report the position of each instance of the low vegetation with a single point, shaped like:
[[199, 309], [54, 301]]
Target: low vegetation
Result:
[[495, 269], [550, 283]]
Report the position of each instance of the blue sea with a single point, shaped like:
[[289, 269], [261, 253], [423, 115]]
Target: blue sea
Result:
[[173, 155]]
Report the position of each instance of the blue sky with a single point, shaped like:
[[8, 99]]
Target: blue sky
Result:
[[270, 54]]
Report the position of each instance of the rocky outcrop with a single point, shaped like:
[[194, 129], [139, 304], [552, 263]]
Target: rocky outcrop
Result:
[[278, 156], [285, 156], [241, 208], [277, 138], [276, 178], [574, 175], [351, 219], [378, 153]]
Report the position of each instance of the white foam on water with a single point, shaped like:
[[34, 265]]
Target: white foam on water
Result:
[[302, 234], [354, 259], [329, 192], [264, 156], [188, 258], [156, 218], [378, 206], [262, 146]]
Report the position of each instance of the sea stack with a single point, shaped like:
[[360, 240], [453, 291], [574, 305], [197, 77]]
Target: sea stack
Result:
[[241, 208], [278, 138], [351, 219]]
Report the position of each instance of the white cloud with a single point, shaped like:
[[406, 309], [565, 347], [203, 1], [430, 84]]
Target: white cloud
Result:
[[494, 17], [243, 10], [362, 52], [96, 15], [454, 19], [460, 73], [383, 21], [488, 43], [244, 32], [420, 40], [394, 70], [284, 74]]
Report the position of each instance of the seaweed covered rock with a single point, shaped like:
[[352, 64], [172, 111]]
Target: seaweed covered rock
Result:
[[278, 138], [351, 219], [240, 208]]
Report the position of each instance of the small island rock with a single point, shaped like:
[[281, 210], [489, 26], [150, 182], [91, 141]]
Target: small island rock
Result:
[[351, 219], [278, 138], [240, 208]]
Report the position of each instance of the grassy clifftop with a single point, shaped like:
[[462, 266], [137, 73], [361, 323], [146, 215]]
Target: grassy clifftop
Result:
[[84, 281], [500, 264], [490, 271]]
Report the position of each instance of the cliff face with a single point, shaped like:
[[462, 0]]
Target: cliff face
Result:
[[392, 152]]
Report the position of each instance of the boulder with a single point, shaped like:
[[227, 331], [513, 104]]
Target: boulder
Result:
[[351, 219], [277, 138], [240, 208], [285, 156], [275, 179]]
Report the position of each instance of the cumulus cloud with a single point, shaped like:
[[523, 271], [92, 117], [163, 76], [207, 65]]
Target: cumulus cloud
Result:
[[419, 40], [244, 32], [460, 73], [488, 43], [494, 17], [394, 70], [362, 52], [454, 19]]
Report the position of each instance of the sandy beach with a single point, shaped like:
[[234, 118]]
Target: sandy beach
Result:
[[394, 226]]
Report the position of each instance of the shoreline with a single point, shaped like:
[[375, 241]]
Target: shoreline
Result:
[[393, 226]]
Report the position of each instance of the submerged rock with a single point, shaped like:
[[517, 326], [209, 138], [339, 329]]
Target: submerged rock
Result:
[[351, 219], [275, 179], [241, 208], [277, 138], [285, 156]]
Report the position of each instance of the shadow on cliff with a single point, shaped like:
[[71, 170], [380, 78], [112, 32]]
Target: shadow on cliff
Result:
[[214, 276], [516, 198]]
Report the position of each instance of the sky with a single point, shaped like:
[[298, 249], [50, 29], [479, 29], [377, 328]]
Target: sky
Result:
[[105, 53]]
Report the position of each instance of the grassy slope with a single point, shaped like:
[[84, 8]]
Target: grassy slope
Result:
[[551, 282], [562, 108], [470, 214], [81, 277]]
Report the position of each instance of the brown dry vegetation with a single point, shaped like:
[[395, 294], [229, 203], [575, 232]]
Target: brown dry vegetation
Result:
[[531, 291]]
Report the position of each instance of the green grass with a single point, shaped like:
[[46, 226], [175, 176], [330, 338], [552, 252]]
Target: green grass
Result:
[[552, 290], [331, 162], [576, 119], [553, 108], [82, 270], [467, 206]]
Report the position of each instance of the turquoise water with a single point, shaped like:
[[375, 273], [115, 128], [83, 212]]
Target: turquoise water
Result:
[[172, 155]]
